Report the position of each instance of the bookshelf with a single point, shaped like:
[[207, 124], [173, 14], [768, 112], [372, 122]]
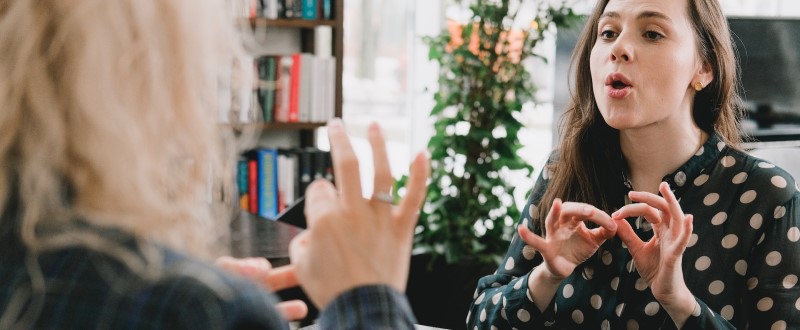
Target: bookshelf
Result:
[[252, 235]]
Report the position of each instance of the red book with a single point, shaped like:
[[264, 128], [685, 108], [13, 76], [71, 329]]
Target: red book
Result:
[[252, 185], [294, 97]]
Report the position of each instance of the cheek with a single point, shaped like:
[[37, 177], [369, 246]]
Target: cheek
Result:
[[595, 65]]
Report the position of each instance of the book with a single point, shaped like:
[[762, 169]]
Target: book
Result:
[[309, 9], [268, 182], [327, 9], [305, 169], [284, 98], [242, 183], [252, 185], [294, 97]]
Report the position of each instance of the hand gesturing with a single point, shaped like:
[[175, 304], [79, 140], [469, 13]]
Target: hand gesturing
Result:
[[569, 242], [658, 260], [352, 241]]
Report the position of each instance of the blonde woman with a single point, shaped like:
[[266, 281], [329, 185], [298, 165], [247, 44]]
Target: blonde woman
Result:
[[108, 139], [665, 222]]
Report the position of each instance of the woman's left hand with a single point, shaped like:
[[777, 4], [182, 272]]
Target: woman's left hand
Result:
[[658, 260]]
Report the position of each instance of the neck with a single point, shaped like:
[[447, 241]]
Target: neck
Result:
[[660, 149]]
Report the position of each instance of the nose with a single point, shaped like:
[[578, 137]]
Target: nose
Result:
[[621, 51]]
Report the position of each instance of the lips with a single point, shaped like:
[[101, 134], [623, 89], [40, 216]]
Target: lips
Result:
[[618, 81], [618, 86]]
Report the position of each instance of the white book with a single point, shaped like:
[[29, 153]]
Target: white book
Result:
[[284, 90], [307, 69]]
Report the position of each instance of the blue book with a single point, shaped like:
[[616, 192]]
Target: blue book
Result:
[[267, 183], [327, 11], [309, 9]]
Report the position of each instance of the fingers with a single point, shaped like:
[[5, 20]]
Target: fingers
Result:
[[416, 188], [672, 202], [686, 233], [281, 278], [650, 199], [292, 310], [583, 212], [531, 239], [628, 236], [320, 199], [253, 268], [345, 163], [383, 174], [638, 209], [553, 216]]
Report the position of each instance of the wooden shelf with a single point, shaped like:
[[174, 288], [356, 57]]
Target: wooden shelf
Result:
[[290, 23], [289, 126]]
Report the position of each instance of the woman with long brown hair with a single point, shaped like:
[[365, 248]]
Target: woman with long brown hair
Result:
[[665, 222]]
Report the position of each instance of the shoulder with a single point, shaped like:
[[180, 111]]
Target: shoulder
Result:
[[149, 286], [198, 295], [768, 181]]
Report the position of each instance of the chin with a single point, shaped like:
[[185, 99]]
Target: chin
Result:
[[619, 120]]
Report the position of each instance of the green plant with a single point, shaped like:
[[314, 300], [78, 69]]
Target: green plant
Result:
[[470, 212]]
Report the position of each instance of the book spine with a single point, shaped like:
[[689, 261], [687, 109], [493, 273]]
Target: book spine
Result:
[[327, 9], [294, 102], [272, 86], [252, 187], [268, 183], [242, 184], [309, 9]]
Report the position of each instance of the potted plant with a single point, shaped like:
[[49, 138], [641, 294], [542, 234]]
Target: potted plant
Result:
[[468, 218]]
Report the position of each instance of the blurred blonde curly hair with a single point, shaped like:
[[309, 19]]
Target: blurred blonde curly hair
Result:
[[109, 116]]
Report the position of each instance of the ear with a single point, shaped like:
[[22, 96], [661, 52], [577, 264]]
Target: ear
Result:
[[704, 74]]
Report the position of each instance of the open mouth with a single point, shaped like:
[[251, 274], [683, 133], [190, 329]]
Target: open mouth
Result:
[[618, 80], [618, 84]]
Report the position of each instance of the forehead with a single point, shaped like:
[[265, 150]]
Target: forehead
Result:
[[674, 10]]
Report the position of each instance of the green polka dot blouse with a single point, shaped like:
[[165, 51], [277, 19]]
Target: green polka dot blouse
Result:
[[742, 261]]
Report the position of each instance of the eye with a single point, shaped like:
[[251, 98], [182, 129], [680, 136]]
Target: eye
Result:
[[608, 34], [653, 35]]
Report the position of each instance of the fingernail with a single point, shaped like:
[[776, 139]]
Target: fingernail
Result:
[[335, 124], [613, 215]]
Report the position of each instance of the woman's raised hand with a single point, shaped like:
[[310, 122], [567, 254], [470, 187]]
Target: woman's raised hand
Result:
[[352, 241], [568, 242], [658, 260]]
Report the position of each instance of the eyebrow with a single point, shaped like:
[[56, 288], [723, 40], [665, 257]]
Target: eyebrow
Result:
[[642, 15]]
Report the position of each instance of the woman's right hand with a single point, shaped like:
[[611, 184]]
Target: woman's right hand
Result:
[[569, 242]]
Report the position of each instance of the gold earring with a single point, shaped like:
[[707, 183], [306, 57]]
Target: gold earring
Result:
[[698, 86]]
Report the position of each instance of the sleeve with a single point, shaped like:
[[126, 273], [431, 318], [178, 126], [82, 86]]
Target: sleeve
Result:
[[502, 299], [368, 307], [772, 297]]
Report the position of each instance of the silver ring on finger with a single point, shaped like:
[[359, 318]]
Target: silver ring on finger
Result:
[[382, 197]]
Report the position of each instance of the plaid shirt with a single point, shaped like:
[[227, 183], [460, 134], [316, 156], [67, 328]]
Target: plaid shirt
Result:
[[87, 289]]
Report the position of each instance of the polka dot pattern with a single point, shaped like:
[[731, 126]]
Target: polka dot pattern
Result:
[[794, 234], [748, 197], [741, 267], [719, 218], [789, 281], [701, 179], [702, 263], [746, 232], [739, 178], [778, 181], [711, 199]]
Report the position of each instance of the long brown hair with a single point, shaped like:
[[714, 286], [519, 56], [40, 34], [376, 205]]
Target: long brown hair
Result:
[[587, 164]]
